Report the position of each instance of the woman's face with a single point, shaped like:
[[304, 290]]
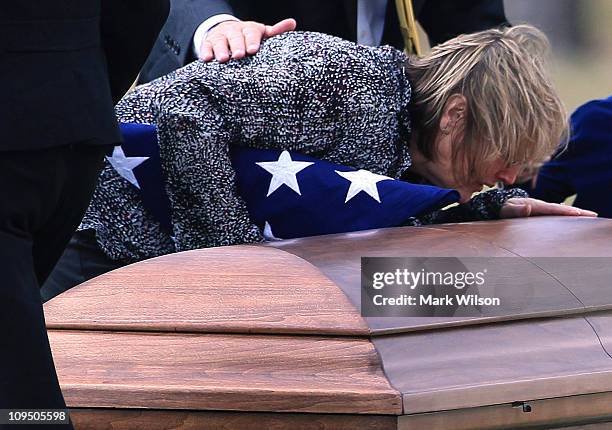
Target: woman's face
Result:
[[440, 171]]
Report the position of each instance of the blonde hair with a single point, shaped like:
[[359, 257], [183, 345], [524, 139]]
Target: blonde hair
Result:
[[513, 110]]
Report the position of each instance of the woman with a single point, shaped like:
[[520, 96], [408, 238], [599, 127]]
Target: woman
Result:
[[469, 114]]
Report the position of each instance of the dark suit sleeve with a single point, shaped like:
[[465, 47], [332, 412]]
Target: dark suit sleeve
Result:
[[445, 19], [173, 47], [129, 29], [553, 184]]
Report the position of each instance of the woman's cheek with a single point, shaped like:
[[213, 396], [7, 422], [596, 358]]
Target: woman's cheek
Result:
[[465, 195]]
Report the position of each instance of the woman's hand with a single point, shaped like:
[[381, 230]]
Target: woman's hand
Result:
[[523, 207]]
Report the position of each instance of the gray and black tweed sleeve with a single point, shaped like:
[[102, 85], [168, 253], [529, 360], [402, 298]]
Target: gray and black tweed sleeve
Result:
[[482, 207]]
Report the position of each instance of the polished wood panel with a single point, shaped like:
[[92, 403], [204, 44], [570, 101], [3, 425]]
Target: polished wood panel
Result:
[[292, 350], [542, 236], [118, 419], [596, 426], [546, 413], [580, 247], [602, 325], [524, 289], [222, 372], [587, 278], [244, 289], [338, 257], [492, 364]]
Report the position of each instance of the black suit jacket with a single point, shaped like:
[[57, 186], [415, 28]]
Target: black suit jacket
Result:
[[63, 64], [441, 19]]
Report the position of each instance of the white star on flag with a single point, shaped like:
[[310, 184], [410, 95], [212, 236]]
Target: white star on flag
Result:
[[283, 172], [125, 165], [363, 180]]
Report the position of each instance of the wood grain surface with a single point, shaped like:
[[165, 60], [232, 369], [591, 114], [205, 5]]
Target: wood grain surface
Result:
[[575, 251], [492, 364], [542, 236], [602, 325], [588, 279], [241, 289], [221, 372], [543, 414], [604, 425], [270, 335], [118, 419], [338, 257]]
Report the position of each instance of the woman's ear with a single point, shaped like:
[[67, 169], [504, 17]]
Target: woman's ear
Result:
[[454, 113]]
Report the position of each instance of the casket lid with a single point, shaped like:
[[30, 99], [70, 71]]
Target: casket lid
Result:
[[277, 328]]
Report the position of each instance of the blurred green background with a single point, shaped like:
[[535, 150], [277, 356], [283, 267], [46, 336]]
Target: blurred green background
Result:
[[580, 32]]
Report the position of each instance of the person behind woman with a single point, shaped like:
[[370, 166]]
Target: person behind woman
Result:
[[584, 166], [468, 114]]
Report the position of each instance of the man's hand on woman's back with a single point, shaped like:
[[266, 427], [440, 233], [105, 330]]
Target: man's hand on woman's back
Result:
[[235, 39]]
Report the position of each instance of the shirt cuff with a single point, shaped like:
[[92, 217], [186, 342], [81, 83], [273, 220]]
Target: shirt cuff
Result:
[[203, 29]]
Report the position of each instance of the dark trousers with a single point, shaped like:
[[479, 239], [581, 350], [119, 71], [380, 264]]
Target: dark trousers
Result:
[[82, 260], [43, 195]]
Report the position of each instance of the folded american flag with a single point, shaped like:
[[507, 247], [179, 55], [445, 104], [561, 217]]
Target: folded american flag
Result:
[[287, 194]]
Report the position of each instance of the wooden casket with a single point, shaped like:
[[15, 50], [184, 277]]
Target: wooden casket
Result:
[[271, 336]]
